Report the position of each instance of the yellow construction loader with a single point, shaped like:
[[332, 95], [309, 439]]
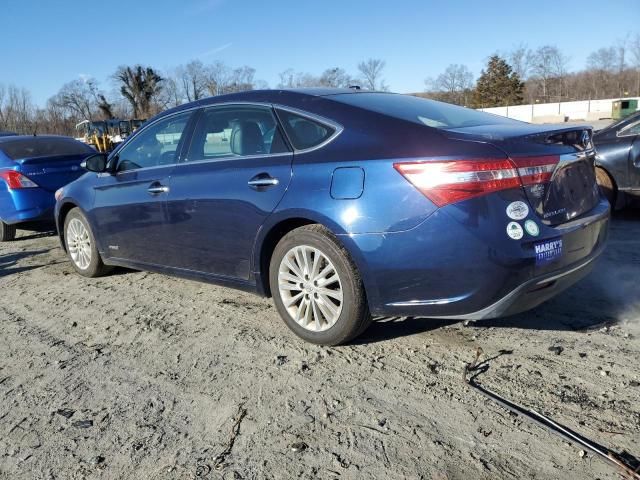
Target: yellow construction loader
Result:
[[105, 135]]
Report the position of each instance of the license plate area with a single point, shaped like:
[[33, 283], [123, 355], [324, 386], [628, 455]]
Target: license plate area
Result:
[[548, 251]]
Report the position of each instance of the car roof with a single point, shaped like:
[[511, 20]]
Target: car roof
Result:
[[287, 96]]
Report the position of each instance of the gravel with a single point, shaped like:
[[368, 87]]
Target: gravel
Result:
[[139, 375]]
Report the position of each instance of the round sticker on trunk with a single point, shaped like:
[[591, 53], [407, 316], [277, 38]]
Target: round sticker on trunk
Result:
[[517, 210], [514, 230], [532, 228]]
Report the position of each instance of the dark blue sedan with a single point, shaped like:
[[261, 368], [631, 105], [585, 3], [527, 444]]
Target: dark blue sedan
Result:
[[32, 168], [345, 204]]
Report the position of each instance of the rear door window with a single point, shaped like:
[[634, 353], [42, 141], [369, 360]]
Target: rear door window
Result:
[[236, 131], [304, 132], [38, 147]]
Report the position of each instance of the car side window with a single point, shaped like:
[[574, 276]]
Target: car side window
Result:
[[633, 129], [155, 146], [236, 131], [303, 131]]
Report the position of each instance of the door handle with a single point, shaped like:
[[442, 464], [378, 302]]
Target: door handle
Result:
[[263, 180], [155, 189]]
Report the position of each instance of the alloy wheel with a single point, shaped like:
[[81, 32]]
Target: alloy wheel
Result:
[[310, 288], [79, 244]]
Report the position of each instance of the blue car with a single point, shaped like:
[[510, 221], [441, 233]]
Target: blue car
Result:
[[343, 205], [32, 168]]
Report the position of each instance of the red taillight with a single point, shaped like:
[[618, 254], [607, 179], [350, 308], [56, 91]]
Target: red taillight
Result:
[[456, 180], [534, 170], [452, 181], [15, 180]]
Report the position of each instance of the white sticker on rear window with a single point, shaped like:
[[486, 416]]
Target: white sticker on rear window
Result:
[[514, 230], [517, 210]]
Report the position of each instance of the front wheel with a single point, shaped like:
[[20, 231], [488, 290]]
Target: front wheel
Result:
[[7, 232], [317, 288], [81, 245]]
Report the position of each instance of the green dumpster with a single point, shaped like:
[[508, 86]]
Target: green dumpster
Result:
[[623, 108]]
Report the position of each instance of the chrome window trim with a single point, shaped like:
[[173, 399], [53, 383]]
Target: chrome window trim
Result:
[[338, 128], [234, 157]]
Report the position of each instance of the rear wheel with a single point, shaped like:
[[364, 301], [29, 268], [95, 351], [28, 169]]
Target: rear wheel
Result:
[[607, 187], [7, 232], [81, 245], [316, 287]]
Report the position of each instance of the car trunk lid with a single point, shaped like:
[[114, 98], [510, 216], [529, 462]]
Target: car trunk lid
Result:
[[52, 172], [556, 165]]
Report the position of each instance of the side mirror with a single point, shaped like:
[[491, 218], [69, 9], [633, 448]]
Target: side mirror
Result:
[[95, 163]]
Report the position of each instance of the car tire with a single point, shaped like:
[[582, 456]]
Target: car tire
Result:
[[317, 288], [81, 246], [7, 232], [607, 187]]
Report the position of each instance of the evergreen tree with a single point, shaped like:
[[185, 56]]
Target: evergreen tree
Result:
[[498, 85]]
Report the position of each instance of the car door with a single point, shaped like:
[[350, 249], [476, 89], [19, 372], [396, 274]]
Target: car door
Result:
[[631, 135], [233, 176], [130, 204]]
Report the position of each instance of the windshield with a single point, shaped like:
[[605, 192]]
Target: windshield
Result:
[[420, 110]]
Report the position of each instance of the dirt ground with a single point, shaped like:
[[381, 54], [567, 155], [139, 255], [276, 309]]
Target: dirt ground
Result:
[[143, 376]]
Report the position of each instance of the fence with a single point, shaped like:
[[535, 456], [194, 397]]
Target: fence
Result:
[[559, 112]]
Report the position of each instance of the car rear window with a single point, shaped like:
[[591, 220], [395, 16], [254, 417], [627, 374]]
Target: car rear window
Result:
[[421, 110], [304, 132], [35, 147]]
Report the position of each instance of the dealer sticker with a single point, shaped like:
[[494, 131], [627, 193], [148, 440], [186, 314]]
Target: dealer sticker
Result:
[[532, 228], [514, 230], [548, 251], [517, 210]]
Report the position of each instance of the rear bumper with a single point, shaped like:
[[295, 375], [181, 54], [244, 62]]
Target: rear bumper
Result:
[[26, 205], [460, 264], [532, 293]]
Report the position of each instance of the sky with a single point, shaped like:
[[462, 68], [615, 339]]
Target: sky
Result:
[[50, 42]]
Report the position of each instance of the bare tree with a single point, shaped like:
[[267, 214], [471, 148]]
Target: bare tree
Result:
[[219, 77], [601, 65], [141, 86], [634, 48], [17, 112], [292, 79], [193, 79], [453, 85], [520, 60], [371, 73], [336, 77], [77, 97], [549, 67], [172, 93], [242, 79]]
